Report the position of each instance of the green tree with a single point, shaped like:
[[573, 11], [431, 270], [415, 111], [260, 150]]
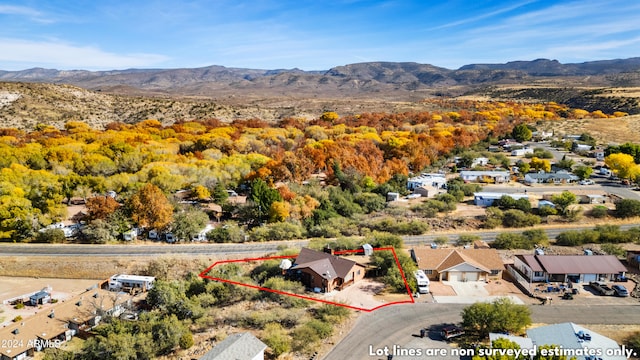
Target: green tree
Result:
[[188, 222], [521, 133], [219, 193], [167, 332], [467, 239], [583, 171], [98, 232], [263, 196], [501, 315], [565, 163], [563, 201]]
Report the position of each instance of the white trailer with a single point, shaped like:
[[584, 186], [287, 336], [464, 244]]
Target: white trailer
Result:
[[423, 282], [123, 282]]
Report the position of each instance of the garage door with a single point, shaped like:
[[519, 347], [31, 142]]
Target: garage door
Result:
[[453, 276], [471, 276], [590, 277]]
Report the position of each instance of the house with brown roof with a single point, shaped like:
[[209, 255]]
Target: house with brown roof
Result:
[[325, 271], [563, 268], [458, 264], [58, 323]]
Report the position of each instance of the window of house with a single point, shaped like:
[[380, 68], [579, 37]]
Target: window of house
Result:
[[428, 272], [538, 273], [495, 272], [358, 271]]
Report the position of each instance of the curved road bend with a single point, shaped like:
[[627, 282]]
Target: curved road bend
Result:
[[156, 249], [401, 324]]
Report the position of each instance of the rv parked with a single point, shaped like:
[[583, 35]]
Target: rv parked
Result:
[[423, 282]]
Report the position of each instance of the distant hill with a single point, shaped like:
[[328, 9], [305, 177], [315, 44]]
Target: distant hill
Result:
[[353, 79], [34, 96]]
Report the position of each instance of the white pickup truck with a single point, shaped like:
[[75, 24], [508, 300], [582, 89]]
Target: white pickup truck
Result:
[[422, 281]]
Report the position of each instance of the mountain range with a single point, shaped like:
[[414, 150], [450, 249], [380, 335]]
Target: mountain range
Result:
[[352, 79], [36, 96]]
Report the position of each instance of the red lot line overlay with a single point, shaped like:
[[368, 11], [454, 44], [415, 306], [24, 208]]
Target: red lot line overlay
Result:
[[393, 251]]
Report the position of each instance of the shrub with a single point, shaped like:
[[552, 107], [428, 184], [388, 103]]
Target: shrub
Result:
[[493, 218], [613, 249], [277, 339], [19, 306], [332, 313], [633, 342], [227, 233], [277, 231], [518, 218], [626, 208], [599, 212], [508, 241], [186, 340], [547, 210], [466, 239], [17, 318], [51, 236]]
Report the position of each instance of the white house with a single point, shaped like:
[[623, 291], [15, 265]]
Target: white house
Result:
[[485, 176], [430, 179], [485, 199], [202, 235], [560, 177], [521, 152]]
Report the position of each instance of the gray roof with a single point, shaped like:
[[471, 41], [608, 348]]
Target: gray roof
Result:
[[484, 173], [558, 175], [242, 346], [564, 335], [580, 264]]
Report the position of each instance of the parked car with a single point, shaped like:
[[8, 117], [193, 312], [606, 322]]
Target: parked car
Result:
[[601, 288], [583, 335], [620, 290], [586, 182], [621, 278], [451, 331]]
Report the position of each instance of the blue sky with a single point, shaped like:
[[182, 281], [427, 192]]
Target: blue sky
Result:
[[311, 35]]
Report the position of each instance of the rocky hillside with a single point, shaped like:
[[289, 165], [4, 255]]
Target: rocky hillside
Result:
[[34, 96], [354, 79]]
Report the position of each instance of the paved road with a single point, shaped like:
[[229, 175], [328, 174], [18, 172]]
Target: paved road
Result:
[[155, 249], [400, 325]]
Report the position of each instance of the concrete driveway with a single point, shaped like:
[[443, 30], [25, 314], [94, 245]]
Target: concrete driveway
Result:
[[363, 295], [470, 292]]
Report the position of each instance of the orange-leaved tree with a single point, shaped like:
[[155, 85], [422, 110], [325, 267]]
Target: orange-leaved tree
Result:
[[151, 208]]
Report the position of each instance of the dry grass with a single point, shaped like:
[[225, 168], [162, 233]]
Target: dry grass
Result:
[[95, 267]]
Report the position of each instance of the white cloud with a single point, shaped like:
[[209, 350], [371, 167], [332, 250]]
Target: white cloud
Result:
[[482, 16], [65, 56], [28, 12]]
